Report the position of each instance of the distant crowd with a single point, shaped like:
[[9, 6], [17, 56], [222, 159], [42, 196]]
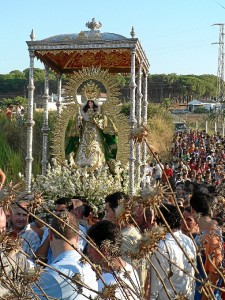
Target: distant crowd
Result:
[[197, 159]]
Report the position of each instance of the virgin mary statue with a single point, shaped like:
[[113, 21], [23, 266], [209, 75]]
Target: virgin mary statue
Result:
[[93, 139]]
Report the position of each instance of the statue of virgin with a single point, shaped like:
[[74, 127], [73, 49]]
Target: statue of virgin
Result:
[[93, 139]]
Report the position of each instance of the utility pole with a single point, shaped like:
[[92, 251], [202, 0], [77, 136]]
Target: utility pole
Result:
[[220, 71]]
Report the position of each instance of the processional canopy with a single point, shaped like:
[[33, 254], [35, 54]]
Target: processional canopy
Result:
[[90, 57], [66, 53]]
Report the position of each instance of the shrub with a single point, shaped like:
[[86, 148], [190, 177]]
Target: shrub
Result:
[[200, 110]]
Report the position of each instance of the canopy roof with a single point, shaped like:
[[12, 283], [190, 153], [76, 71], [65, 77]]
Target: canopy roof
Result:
[[66, 53]]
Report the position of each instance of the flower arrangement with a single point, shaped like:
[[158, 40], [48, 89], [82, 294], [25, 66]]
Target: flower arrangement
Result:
[[62, 180]]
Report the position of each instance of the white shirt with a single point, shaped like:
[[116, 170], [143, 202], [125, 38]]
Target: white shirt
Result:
[[132, 282], [148, 174], [172, 253], [130, 239], [158, 170]]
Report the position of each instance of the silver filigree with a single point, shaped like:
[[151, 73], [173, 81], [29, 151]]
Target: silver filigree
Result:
[[93, 25]]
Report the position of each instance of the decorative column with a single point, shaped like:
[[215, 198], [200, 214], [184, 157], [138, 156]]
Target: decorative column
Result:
[[132, 122], [59, 100], [45, 129], [145, 120], [138, 116], [30, 121]]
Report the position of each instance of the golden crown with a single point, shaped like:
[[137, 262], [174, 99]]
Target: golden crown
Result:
[[91, 91]]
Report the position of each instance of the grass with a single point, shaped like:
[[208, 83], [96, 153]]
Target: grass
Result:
[[161, 135], [13, 141], [11, 161]]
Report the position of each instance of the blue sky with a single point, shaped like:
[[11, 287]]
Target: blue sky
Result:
[[177, 35]]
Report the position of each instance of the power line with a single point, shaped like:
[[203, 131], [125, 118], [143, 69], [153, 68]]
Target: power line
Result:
[[219, 4]]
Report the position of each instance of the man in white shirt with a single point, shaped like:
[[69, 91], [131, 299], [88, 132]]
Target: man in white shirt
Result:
[[106, 237], [148, 173], [54, 281], [171, 271], [158, 172]]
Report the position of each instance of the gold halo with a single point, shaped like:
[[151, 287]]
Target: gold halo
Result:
[[111, 107]]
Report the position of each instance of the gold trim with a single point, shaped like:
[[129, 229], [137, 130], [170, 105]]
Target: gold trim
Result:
[[111, 108]]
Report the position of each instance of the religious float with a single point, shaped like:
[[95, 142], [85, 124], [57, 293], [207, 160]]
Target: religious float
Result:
[[90, 131]]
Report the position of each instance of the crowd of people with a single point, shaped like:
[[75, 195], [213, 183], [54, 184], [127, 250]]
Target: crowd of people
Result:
[[197, 159], [93, 257]]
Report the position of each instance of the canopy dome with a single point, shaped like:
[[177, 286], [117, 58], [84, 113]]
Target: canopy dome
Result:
[[88, 34], [65, 53]]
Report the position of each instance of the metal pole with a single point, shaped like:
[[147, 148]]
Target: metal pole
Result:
[[45, 129], [132, 123], [30, 123], [206, 126], [138, 117], [145, 119]]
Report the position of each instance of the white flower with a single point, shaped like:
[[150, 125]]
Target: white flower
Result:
[[60, 181]]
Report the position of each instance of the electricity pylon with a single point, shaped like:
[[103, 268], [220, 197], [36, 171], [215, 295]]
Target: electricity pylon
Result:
[[220, 71]]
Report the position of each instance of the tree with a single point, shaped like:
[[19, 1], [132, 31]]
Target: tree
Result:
[[166, 103], [14, 101]]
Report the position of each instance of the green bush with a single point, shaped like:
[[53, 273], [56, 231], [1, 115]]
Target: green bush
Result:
[[200, 110], [153, 110]]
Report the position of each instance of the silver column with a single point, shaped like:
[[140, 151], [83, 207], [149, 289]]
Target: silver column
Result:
[[139, 121], [132, 123], [30, 123], [145, 119], [45, 129]]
